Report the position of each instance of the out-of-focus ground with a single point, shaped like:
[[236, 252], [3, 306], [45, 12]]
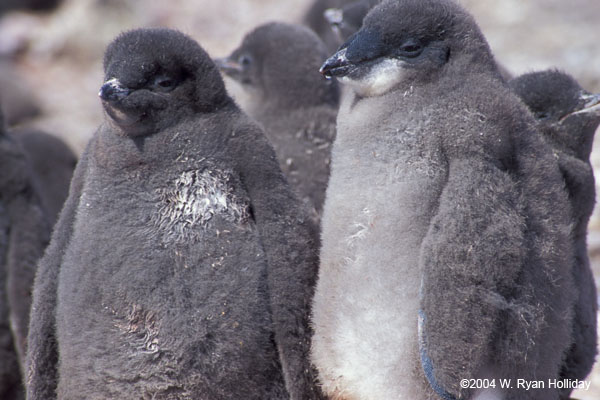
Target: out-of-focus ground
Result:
[[59, 55]]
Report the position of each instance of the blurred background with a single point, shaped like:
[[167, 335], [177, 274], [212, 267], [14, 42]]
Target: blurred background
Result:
[[51, 60]]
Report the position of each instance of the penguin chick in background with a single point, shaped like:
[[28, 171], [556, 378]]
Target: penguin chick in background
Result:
[[182, 265], [347, 20], [52, 163], [37, 169], [443, 256], [11, 387], [24, 233], [568, 117], [278, 65], [315, 19]]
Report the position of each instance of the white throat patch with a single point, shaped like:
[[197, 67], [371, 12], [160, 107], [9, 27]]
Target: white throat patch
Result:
[[383, 76]]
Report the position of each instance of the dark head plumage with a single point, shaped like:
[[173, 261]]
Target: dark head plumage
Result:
[[279, 62], [566, 111], [155, 77], [408, 40]]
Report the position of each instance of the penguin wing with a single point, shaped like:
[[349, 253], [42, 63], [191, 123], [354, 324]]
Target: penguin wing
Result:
[[290, 241], [29, 235], [42, 350], [470, 258]]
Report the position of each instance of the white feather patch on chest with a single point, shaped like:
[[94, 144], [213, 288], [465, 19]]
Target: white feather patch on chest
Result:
[[381, 78], [195, 198]]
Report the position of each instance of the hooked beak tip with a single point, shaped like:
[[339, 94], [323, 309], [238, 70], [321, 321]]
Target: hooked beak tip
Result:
[[592, 101], [336, 65], [112, 90], [591, 106]]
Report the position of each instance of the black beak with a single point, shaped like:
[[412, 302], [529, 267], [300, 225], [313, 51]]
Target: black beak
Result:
[[337, 65], [112, 90], [227, 66], [591, 105]]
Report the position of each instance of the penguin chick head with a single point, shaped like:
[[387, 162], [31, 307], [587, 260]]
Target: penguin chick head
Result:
[[406, 42], [278, 63], [154, 78], [559, 103]]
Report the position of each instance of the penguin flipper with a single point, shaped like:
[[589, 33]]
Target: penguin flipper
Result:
[[470, 259], [42, 350], [290, 241]]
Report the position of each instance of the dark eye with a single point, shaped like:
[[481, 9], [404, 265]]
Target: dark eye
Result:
[[164, 83], [411, 49], [244, 60]]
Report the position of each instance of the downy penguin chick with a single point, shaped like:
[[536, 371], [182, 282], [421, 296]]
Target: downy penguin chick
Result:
[[24, 233], [568, 117], [182, 266], [278, 65], [52, 163], [443, 257]]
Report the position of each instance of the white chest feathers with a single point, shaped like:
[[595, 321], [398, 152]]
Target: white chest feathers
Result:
[[382, 77], [191, 202]]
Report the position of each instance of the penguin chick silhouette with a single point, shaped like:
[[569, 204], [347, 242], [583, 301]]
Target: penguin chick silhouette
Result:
[[181, 266], [24, 233], [568, 117], [52, 163], [278, 65], [443, 256], [40, 175], [10, 377]]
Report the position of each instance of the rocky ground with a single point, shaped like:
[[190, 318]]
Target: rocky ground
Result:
[[59, 55]]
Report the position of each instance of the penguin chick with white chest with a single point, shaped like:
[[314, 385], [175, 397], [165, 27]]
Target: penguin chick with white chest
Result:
[[277, 64], [182, 266], [443, 257]]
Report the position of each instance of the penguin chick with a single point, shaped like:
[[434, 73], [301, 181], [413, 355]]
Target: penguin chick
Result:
[[315, 19], [37, 170], [11, 387], [52, 163], [347, 20], [568, 117], [443, 256], [181, 266], [278, 64], [24, 233]]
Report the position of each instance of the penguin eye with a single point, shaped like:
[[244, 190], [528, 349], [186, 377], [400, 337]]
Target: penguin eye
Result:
[[411, 48], [245, 60], [163, 83]]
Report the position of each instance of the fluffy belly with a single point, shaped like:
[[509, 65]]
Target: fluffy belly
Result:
[[366, 303]]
